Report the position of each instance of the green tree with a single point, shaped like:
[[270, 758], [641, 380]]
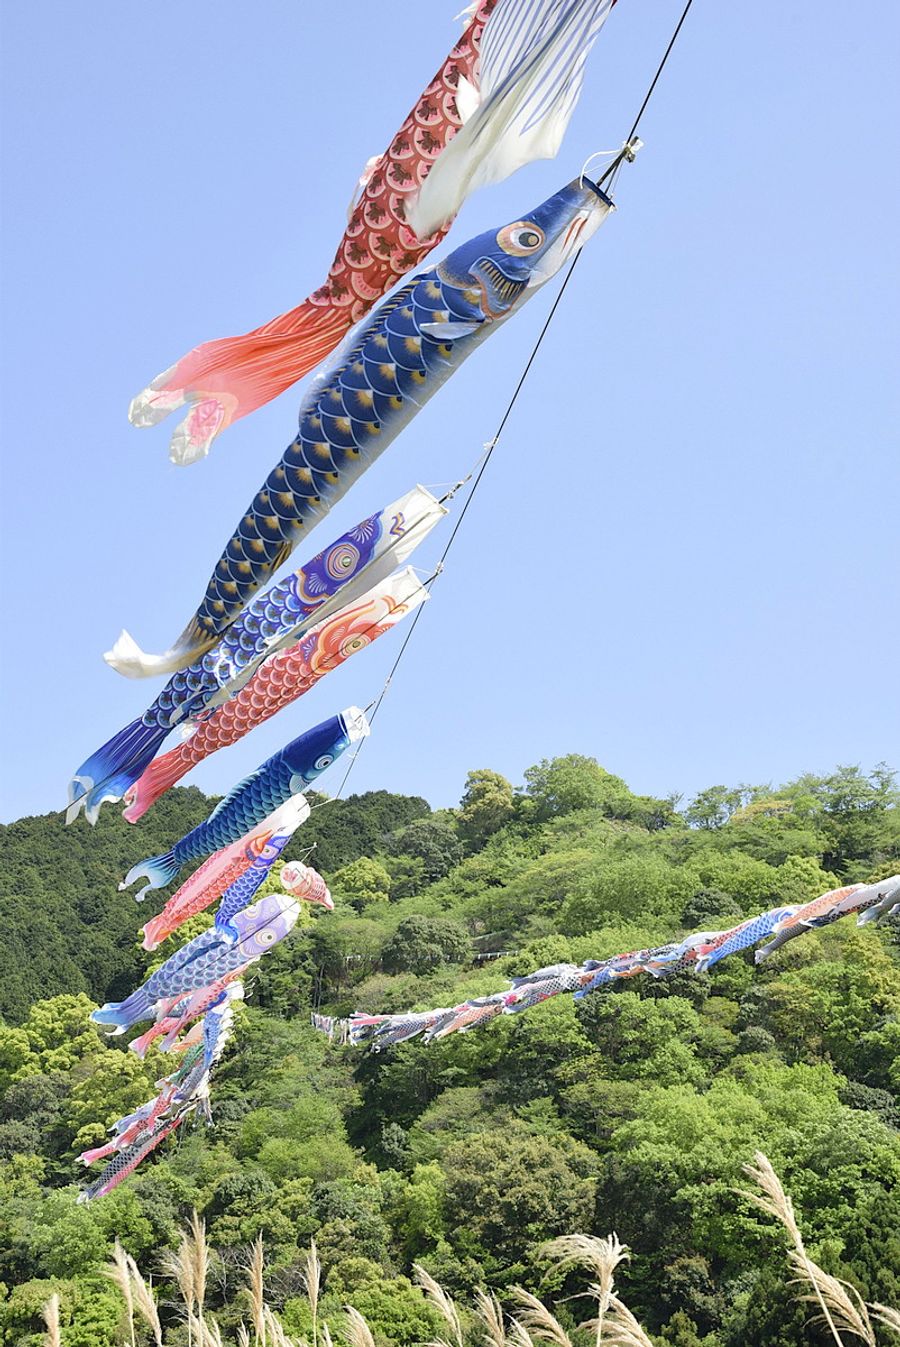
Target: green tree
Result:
[[562, 785], [362, 882], [487, 804], [638, 887], [420, 943], [713, 807], [432, 841], [508, 1190]]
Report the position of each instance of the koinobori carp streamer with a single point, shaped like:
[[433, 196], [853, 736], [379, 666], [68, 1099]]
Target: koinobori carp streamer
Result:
[[283, 678], [475, 123], [224, 380], [388, 368], [284, 774], [206, 958], [357, 561]]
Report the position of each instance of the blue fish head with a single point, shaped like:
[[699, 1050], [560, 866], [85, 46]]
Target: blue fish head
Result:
[[506, 264], [336, 565], [310, 754]]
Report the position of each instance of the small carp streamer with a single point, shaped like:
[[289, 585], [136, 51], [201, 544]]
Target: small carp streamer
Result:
[[357, 561], [296, 765], [224, 380], [697, 953], [304, 882], [279, 681], [391, 364], [186, 1091]]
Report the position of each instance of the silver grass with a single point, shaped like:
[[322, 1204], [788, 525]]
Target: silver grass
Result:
[[356, 1330], [312, 1278], [179, 1264], [839, 1311], [600, 1256], [487, 1307], [538, 1320], [255, 1291], [442, 1302], [50, 1315], [518, 1335], [885, 1315], [144, 1300], [119, 1272]]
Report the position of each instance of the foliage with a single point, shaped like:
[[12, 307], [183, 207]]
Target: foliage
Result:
[[634, 1109]]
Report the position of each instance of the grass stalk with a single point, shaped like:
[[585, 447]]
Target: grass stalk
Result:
[[50, 1315]]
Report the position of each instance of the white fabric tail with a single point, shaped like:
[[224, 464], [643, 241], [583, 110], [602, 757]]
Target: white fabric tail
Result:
[[532, 68]]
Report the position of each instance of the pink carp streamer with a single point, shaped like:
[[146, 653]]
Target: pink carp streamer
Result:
[[304, 882], [224, 380], [695, 953], [208, 883], [283, 678]]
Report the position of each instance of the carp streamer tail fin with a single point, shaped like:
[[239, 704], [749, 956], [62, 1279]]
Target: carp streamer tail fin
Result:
[[107, 774], [128, 659], [157, 777], [221, 381], [123, 1014], [158, 871]]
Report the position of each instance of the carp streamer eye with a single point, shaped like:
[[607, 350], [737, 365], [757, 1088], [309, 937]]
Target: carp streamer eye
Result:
[[520, 239]]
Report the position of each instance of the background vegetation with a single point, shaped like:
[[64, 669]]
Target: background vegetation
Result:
[[634, 1111]]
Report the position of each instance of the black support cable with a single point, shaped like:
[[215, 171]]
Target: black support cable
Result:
[[626, 152]]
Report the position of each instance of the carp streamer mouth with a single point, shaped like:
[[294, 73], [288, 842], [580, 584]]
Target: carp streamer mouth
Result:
[[595, 187]]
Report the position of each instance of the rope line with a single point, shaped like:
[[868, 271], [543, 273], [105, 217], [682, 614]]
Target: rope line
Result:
[[625, 153]]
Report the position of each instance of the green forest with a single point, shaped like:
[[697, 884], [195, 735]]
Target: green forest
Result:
[[633, 1111]]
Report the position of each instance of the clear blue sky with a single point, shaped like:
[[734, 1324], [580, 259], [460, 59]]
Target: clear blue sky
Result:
[[684, 558]]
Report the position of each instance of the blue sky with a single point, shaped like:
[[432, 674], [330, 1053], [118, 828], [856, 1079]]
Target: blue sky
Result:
[[683, 559]]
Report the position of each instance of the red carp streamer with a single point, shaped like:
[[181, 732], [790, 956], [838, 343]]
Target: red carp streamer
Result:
[[279, 681], [227, 379]]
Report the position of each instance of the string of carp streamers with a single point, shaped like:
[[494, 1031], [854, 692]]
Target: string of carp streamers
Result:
[[696, 953]]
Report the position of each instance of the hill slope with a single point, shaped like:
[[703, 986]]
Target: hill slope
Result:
[[632, 1111]]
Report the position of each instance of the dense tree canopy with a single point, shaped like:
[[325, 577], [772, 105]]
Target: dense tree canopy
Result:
[[633, 1110]]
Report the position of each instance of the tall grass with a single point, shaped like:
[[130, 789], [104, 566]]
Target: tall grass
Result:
[[842, 1308], [50, 1314], [526, 1321]]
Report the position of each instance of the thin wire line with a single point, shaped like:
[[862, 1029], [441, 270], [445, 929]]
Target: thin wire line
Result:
[[610, 172]]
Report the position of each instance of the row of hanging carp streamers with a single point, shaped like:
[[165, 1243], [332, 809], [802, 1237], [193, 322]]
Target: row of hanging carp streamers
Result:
[[189, 998], [502, 98], [697, 953]]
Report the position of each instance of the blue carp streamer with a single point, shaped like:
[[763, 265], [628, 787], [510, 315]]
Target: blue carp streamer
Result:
[[698, 953], [373, 386], [296, 765]]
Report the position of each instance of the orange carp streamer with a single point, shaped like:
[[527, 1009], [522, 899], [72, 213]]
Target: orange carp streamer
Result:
[[224, 380]]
